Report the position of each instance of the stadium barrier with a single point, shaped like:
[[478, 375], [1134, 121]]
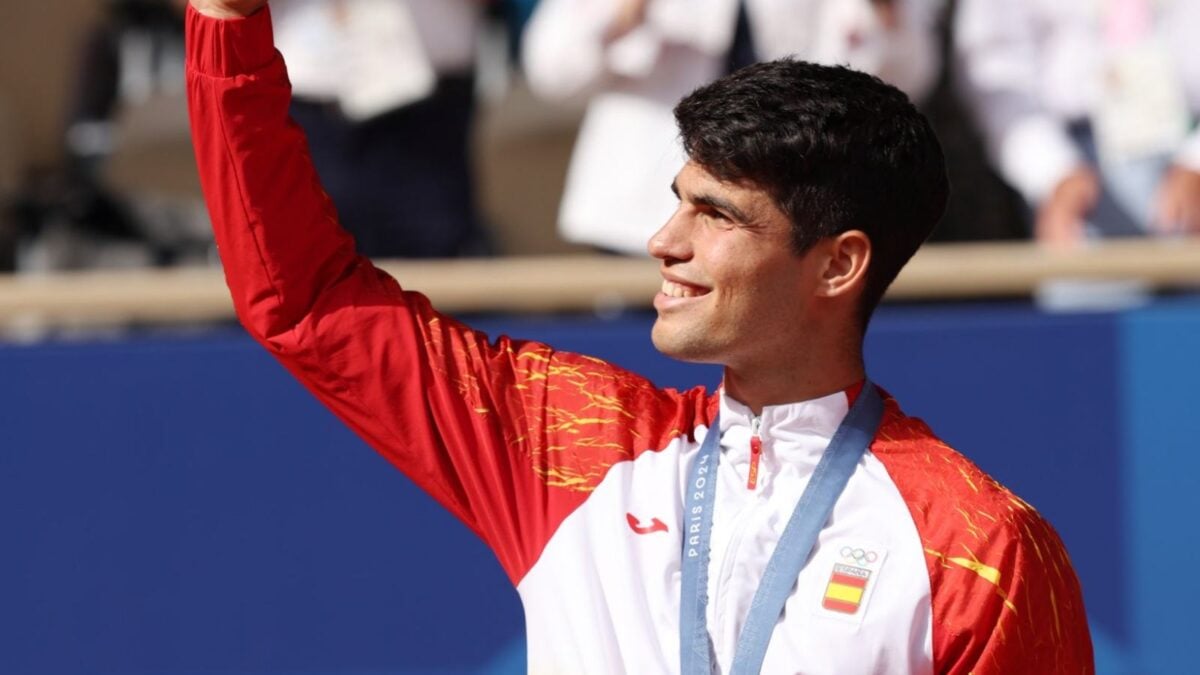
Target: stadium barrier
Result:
[[586, 283]]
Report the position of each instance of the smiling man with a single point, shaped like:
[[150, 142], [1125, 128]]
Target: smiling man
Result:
[[795, 520]]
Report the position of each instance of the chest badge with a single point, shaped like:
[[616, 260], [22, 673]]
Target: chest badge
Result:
[[655, 525], [854, 572]]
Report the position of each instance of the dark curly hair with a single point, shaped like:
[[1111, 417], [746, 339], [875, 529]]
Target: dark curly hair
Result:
[[836, 150]]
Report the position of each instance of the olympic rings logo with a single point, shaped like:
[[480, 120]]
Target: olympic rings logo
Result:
[[859, 556]]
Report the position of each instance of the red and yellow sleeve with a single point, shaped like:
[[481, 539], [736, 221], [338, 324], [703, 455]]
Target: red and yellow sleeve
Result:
[[1005, 598], [509, 436], [1011, 604]]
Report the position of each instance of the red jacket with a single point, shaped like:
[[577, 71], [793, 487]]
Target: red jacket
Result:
[[572, 469]]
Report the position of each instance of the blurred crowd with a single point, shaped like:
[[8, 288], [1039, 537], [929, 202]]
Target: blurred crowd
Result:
[[1063, 121]]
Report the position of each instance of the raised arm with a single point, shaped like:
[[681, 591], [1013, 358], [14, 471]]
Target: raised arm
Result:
[[275, 227], [509, 436]]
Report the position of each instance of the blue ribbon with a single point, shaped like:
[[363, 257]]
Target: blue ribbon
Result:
[[795, 545]]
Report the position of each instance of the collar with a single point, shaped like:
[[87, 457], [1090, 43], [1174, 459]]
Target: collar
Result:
[[793, 434]]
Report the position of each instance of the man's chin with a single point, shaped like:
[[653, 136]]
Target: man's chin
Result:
[[679, 347], [662, 340]]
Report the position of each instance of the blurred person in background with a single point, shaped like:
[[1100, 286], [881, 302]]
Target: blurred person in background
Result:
[[385, 90], [134, 53], [10, 160], [129, 67], [1088, 108], [633, 59]]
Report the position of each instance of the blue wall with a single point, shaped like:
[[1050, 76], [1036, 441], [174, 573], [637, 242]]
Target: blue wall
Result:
[[176, 503]]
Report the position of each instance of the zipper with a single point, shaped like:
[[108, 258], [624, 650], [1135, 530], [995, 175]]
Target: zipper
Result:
[[755, 452], [742, 522]]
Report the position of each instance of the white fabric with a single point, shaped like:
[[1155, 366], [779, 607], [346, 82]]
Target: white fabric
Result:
[[1029, 66], [373, 56], [618, 186], [616, 619]]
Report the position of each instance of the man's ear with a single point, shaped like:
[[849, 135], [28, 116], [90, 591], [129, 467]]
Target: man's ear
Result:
[[847, 257]]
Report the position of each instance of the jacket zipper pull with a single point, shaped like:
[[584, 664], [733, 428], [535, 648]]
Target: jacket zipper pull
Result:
[[755, 453]]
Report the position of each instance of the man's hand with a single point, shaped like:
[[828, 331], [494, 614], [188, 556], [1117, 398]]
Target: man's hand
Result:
[[630, 15], [1060, 218], [1177, 210], [888, 13], [227, 9]]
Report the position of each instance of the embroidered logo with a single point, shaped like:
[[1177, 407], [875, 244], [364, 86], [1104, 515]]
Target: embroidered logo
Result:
[[845, 592], [655, 525]]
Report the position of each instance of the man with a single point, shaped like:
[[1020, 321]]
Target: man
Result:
[[806, 191]]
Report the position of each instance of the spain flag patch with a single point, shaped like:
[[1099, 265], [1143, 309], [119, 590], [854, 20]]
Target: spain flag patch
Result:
[[844, 592]]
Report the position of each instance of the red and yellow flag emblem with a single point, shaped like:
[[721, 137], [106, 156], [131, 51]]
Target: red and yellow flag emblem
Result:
[[844, 592]]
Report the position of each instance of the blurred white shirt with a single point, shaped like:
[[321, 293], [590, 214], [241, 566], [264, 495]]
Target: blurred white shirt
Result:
[[1030, 67], [374, 55], [618, 185]]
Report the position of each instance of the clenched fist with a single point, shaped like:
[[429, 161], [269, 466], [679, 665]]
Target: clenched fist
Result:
[[227, 9]]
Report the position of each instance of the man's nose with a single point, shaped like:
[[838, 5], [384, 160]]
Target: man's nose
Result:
[[670, 241]]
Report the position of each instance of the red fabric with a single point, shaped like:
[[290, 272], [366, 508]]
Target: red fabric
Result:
[[853, 391], [509, 436], [1005, 596]]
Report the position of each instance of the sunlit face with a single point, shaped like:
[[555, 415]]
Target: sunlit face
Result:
[[734, 292]]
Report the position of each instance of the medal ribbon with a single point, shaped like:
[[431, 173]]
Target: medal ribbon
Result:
[[795, 545]]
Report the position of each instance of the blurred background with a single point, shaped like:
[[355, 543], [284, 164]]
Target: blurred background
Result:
[[171, 502]]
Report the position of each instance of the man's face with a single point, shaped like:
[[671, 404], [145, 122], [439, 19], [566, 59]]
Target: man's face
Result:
[[733, 292]]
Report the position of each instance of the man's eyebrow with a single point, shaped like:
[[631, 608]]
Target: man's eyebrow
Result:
[[719, 204], [714, 202]]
